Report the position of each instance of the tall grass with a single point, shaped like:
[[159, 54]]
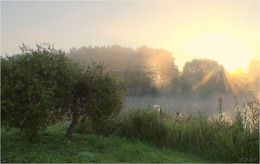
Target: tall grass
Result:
[[214, 139], [223, 140], [235, 140], [144, 124]]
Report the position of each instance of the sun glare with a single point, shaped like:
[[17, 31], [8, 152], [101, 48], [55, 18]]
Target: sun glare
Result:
[[229, 50]]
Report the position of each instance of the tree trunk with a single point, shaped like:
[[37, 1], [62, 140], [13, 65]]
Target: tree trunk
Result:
[[73, 124], [71, 127]]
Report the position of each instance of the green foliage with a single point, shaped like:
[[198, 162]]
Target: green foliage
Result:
[[55, 148], [41, 86], [144, 124], [218, 140], [97, 96], [35, 87], [101, 94], [104, 127]]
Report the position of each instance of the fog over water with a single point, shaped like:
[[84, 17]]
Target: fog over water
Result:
[[192, 105]]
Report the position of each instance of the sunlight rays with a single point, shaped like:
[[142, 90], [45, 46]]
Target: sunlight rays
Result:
[[218, 76]]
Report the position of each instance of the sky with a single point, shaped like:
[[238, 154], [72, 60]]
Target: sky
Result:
[[225, 31]]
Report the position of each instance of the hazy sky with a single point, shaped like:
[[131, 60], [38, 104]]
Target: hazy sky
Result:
[[226, 31]]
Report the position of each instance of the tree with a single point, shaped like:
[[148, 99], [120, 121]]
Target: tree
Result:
[[162, 65], [42, 86], [205, 77], [146, 69], [96, 95], [35, 88], [140, 82]]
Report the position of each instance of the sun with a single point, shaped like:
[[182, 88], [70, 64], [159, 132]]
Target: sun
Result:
[[227, 49]]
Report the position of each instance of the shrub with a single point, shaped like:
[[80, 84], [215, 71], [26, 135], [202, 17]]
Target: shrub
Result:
[[97, 95], [144, 124], [35, 88]]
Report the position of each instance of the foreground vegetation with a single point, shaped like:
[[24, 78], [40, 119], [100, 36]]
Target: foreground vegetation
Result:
[[140, 135], [54, 147], [222, 140]]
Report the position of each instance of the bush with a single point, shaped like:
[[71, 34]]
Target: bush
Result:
[[97, 95], [144, 124], [35, 88]]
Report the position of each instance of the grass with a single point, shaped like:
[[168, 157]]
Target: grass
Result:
[[217, 140], [82, 148], [144, 135]]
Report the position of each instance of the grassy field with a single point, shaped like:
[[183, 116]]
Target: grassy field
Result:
[[142, 135], [53, 146]]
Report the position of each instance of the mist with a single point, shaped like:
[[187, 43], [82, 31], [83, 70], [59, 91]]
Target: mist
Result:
[[155, 80]]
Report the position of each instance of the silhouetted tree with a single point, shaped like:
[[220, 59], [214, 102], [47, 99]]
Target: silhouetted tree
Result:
[[205, 77]]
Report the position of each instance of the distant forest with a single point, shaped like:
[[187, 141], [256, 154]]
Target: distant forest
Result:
[[153, 72]]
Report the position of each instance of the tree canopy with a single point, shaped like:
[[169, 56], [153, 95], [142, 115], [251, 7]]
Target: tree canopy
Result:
[[96, 95], [39, 87], [35, 88]]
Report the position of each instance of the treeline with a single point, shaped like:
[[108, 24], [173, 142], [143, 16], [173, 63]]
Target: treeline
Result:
[[147, 70], [153, 71]]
